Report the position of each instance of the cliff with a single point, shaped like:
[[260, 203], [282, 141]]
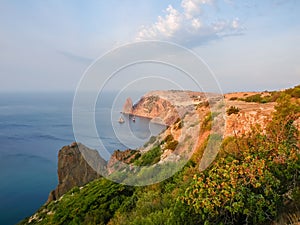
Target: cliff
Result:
[[73, 169], [128, 105], [165, 106], [184, 112], [105, 202]]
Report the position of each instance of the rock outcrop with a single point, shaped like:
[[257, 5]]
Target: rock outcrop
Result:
[[183, 112], [164, 106], [118, 158], [128, 106], [249, 115], [74, 170]]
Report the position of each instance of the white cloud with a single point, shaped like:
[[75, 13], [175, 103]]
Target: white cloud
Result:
[[165, 27], [235, 23], [193, 7], [196, 23], [186, 26]]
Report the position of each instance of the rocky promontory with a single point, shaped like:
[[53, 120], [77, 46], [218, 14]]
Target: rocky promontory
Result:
[[78, 165], [203, 121], [73, 168], [164, 106]]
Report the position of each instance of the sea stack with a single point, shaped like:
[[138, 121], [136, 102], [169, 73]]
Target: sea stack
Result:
[[128, 106]]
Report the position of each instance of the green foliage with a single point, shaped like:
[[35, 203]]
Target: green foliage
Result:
[[253, 98], [96, 203], [234, 190], [150, 157], [232, 110], [207, 122], [250, 184], [294, 92], [208, 119], [255, 178], [169, 138], [258, 98], [273, 96], [171, 145], [169, 142]]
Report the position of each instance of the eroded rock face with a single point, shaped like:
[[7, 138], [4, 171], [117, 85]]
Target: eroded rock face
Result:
[[73, 169], [118, 158], [165, 106], [249, 116]]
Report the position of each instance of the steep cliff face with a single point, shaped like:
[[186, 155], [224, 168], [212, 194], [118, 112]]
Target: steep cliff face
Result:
[[73, 169], [184, 112], [128, 106], [165, 106], [183, 136]]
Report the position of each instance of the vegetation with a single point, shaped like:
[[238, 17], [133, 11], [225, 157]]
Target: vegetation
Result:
[[232, 110], [271, 96], [150, 157], [233, 98], [254, 180], [151, 141], [169, 142], [207, 122]]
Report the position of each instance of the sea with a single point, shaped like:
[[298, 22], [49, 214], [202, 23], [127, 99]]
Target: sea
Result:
[[34, 126]]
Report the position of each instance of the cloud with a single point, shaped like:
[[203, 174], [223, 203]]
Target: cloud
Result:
[[193, 7], [165, 27], [186, 25]]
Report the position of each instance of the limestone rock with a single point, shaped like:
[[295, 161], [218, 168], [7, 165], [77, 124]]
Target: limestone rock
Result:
[[74, 170], [128, 106]]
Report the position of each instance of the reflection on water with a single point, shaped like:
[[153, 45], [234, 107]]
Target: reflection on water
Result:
[[135, 131]]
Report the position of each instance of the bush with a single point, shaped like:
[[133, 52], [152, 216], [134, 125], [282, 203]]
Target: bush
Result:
[[232, 110], [296, 93], [233, 98], [150, 157], [171, 145], [207, 122], [169, 138]]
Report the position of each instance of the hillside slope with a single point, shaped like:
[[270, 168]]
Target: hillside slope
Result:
[[255, 178]]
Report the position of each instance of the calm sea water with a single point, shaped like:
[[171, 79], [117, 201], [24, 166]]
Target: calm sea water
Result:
[[33, 127]]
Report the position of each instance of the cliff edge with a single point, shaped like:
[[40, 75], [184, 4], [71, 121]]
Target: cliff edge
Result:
[[73, 169]]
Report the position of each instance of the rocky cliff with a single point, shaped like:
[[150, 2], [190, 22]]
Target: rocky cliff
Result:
[[128, 105], [165, 106], [73, 169], [185, 113], [189, 116]]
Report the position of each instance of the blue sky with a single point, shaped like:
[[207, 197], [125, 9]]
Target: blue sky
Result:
[[250, 45]]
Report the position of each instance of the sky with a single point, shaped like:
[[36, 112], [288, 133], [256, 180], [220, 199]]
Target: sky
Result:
[[249, 45]]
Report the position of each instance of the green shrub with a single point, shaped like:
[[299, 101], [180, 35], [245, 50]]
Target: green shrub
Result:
[[207, 122], [233, 98], [171, 145], [253, 98], [169, 138], [150, 157], [296, 93], [232, 110]]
